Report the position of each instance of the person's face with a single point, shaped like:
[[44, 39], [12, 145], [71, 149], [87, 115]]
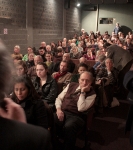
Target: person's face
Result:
[[20, 70], [48, 48], [31, 57], [37, 60], [48, 57], [16, 50], [43, 44], [84, 80], [108, 63], [40, 71], [21, 91], [41, 51], [66, 57], [63, 67], [128, 41], [29, 50], [81, 70]]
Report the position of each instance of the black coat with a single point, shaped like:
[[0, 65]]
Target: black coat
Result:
[[35, 112], [15, 135], [48, 91]]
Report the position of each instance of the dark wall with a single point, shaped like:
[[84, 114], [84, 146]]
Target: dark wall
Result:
[[13, 18], [121, 13], [50, 21]]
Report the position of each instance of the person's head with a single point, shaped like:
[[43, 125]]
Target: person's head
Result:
[[60, 51], [41, 70], [24, 89], [31, 56], [48, 48], [101, 58], [29, 50], [82, 60], [16, 49], [108, 63], [66, 57], [43, 44], [82, 30], [74, 49], [82, 67], [86, 78], [21, 68], [6, 68], [48, 56], [63, 66], [89, 52], [117, 24], [37, 59], [41, 51], [16, 59], [128, 40]]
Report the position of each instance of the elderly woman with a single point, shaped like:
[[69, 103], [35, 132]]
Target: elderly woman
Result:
[[74, 53]]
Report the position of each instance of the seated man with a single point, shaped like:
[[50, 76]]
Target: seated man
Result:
[[71, 65], [106, 79], [63, 76], [71, 102]]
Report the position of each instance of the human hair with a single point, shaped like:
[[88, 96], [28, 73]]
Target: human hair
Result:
[[32, 94], [17, 46], [6, 68], [89, 73], [44, 65], [83, 65], [21, 63], [101, 58], [65, 62], [108, 59]]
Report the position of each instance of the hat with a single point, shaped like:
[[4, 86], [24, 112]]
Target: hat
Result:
[[128, 84]]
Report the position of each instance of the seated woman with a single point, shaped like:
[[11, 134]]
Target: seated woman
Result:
[[21, 68], [44, 84], [49, 62], [24, 94], [81, 68], [106, 80], [89, 55], [74, 53]]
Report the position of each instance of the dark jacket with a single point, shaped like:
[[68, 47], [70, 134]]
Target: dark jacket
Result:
[[35, 112], [48, 91], [21, 136]]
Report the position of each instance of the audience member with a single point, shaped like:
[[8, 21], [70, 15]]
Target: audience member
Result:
[[26, 96], [29, 50], [17, 52], [73, 100], [44, 84], [62, 76]]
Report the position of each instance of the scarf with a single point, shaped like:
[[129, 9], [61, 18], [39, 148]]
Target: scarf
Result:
[[58, 75]]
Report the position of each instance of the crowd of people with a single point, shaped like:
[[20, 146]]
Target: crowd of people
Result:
[[37, 76]]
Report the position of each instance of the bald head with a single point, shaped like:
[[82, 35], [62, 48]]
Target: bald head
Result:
[[82, 60]]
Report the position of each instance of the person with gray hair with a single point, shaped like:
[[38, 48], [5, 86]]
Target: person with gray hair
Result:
[[12, 118], [106, 80]]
